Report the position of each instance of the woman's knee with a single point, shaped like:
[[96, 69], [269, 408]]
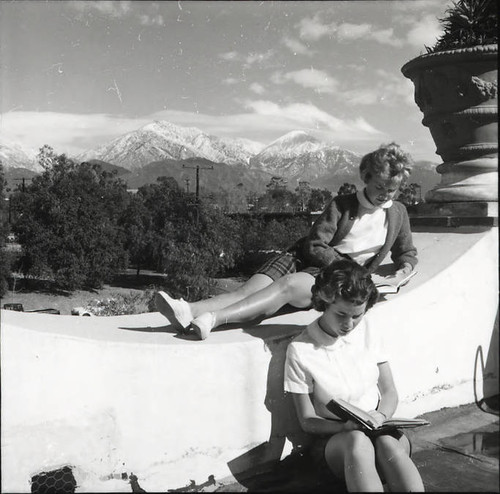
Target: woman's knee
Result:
[[387, 446], [254, 284], [359, 441], [355, 443], [296, 287]]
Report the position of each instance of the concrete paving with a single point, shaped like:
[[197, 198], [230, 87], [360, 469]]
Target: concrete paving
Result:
[[458, 452]]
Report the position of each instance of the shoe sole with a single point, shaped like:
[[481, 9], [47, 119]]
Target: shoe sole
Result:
[[202, 335]]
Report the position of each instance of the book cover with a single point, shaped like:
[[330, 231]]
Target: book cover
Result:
[[347, 411]]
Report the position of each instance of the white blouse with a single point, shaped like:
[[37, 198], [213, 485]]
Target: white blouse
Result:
[[345, 367], [368, 232]]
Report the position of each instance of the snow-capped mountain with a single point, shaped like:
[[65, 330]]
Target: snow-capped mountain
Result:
[[162, 140], [13, 156], [300, 156]]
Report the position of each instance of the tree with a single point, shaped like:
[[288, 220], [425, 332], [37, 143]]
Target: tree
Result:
[[233, 200], [318, 199], [139, 240], [277, 183], [303, 190], [278, 200], [346, 188], [67, 223], [187, 240], [410, 194]]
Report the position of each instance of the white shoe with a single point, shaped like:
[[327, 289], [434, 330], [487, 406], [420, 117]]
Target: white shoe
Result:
[[176, 311], [203, 324]]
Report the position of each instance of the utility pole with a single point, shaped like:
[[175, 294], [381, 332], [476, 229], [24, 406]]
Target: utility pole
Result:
[[198, 168], [187, 180], [23, 187]]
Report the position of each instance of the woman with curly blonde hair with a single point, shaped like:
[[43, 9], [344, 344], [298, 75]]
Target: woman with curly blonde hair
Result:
[[364, 226]]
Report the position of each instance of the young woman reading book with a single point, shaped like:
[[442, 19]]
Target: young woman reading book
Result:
[[340, 356], [365, 226]]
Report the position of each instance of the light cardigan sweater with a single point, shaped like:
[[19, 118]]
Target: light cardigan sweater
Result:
[[318, 248]]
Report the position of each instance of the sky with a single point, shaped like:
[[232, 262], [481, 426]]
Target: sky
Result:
[[76, 74]]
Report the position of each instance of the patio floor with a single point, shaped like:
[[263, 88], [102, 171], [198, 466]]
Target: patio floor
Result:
[[458, 452]]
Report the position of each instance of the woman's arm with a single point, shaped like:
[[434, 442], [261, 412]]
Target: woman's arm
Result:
[[403, 251], [316, 249], [388, 394], [312, 423]]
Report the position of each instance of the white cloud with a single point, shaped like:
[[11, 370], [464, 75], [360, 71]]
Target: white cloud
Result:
[[229, 56], [258, 58], [353, 31], [386, 88], [312, 29], [151, 20], [66, 132], [262, 121], [318, 80], [257, 88], [110, 8], [230, 81], [386, 37], [296, 47], [361, 96], [355, 67], [425, 31], [247, 60], [349, 32], [308, 116], [418, 5]]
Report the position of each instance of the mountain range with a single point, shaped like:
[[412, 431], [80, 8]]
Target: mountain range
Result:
[[164, 149]]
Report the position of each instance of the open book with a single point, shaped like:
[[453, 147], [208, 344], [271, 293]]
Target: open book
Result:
[[391, 284], [346, 411]]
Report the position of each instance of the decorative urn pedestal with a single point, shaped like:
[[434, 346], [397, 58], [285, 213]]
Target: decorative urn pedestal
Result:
[[456, 90]]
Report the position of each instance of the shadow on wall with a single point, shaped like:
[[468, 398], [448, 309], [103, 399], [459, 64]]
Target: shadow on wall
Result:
[[490, 373], [284, 421]]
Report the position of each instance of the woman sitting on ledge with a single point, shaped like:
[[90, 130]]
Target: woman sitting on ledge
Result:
[[339, 356], [364, 226]]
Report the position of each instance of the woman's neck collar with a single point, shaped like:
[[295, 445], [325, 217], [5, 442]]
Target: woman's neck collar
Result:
[[334, 337], [366, 203], [367, 198]]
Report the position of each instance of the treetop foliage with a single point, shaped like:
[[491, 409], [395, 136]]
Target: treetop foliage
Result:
[[78, 227]]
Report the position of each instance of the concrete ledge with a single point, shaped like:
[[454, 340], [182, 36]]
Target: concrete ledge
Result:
[[126, 394]]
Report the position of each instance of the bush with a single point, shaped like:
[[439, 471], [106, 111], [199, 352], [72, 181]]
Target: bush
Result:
[[119, 304]]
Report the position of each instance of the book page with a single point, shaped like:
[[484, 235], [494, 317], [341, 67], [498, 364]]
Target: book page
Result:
[[392, 281]]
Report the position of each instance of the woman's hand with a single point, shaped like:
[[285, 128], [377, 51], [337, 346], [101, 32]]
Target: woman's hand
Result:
[[402, 272], [351, 426], [405, 269], [378, 418]]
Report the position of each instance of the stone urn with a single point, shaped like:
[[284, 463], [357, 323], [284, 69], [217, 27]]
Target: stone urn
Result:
[[456, 90]]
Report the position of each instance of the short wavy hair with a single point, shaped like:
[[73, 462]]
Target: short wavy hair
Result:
[[388, 161], [344, 279]]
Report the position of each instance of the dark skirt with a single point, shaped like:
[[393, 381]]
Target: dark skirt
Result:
[[283, 264]]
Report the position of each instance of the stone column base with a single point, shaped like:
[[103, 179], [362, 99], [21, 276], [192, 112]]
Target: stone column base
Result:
[[453, 214], [469, 180]]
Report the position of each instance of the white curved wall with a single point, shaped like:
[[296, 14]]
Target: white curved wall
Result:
[[125, 394]]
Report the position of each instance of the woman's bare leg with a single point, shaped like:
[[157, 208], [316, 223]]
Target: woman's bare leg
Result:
[[351, 456], [293, 289], [396, 465], [253, 284]]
